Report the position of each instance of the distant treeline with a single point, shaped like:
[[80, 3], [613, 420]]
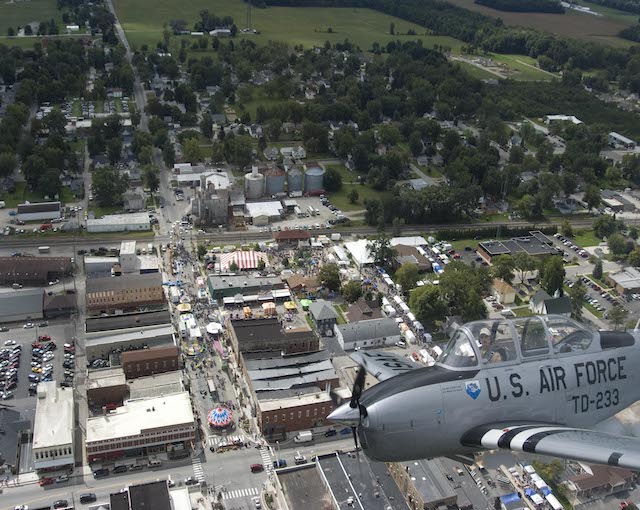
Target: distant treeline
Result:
[[550, 6], [631, 33], [623, 5]]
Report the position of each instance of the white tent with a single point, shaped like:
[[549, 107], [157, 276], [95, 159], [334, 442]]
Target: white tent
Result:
[[553, 501]]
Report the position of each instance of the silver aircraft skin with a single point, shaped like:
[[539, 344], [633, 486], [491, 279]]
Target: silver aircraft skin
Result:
[[551, 381]]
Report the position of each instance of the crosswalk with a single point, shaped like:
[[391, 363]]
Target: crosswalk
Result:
[[241, 493], [217, 440], [198, 472], [266, 459]]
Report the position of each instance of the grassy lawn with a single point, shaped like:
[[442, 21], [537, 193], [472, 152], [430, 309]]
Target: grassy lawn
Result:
[[14, 14], [524, 67], [143, 20], [461, 244], [347, 175], [100, 211], [430, 170], [476, 72], [585, 238], [523, 311], [22, 193], [340, 319], [341, 200]]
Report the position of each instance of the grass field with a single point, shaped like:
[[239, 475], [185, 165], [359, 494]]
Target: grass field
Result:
[[22, 193], [476, 72], [143, 20], [571, 24], [524, 67], [341, 200], [14, 14], [585, 238]]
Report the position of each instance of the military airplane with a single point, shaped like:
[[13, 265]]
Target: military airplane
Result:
[[530, 384]]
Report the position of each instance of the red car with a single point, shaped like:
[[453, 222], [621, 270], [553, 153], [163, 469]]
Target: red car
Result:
[[44, 338], [46, 481]]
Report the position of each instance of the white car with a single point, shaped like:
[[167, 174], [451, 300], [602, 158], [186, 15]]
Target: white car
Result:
[[28, 325], [9, 342]]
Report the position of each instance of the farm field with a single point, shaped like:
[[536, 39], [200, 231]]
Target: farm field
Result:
[[143, 20], [571, 24], [14, 14]]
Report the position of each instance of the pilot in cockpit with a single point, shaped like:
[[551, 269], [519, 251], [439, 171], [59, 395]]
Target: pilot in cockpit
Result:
[[489, 351]]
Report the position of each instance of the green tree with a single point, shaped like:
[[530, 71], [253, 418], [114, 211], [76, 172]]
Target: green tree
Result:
[[604, 226], [353, 196], [634, 258], [151, 178], [553, 275], [503, 267], [548, 471], [566, 229], [233, 267], [415, 143], [114, 149], [332, 180], [109, 185], [407, 276], [427, 305], [351, 291], [597, 270], [201, 251], [273, 128], [633, 233], [618, 316], [191, 151], [381, 251], [329, 276], [617, 244], [576, 294], [50, 182], [524, 263], [206, 125], [592, 196], [8, 163], [262, 143], [462, 287]]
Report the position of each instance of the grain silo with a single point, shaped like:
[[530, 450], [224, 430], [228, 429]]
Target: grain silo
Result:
[[253, 184], [294, 180], [313, 179], [275, 178]]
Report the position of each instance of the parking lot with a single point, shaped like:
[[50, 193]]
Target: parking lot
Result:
[[60, 332]]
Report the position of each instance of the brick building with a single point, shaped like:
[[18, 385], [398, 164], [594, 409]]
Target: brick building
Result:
[[33, 270], [106, 386], [143, 362], [268, 336], [124, 292], [298, 412]]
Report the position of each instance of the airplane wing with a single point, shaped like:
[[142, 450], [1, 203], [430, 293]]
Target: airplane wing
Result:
[[383, 365], [557, 441]]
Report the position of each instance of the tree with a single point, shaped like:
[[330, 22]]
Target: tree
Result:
[[262, 143], [392, 28], [381, 251], [597, 270], [114, 149], [351, 291], [233, 267], [604, 226], [109, 185], [503, 267], [192, 152], [206, 125], [50, 182], [273, 128], [548, 471], [634, 258], [151, 178], [553, 275], [332, 180], [427, 305], [617, 244], [576, 294], [329, 276], [415, 143], [633, 233], [201, 251], [523, 263], [407, 276], [618, 316], [353, 196], [462, 287], [566, 229], [592, 196], [8, 163]]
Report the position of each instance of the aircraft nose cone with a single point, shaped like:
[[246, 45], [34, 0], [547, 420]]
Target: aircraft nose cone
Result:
[[346, 415]]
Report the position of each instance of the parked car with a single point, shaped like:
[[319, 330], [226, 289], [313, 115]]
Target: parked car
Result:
[[280, 463], [61, 503], [99, 473]]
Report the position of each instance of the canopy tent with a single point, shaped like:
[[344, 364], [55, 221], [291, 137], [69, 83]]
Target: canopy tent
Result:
[[540, 484], [184, 307], [529, 491], [269, 308], [214, 328], [553, 501], [306, 303], [243, 259], [537, 499], [529, 469], [290, 305], [220, 417]]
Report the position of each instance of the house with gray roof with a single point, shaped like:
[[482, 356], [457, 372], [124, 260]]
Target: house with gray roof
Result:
[[542, 303], [324, 316], [367, 334]]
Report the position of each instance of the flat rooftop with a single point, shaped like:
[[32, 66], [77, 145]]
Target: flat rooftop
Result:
[[127, 320], [302, 400], [429, 480], [137, 416], [54, 423], [286, 361], [240, 281], [156, 385], [129, 281], [354, 475], [533, 245], [128, 248], [105, 378], [303, 488], [120, 219], [628, 278], [130, 334]]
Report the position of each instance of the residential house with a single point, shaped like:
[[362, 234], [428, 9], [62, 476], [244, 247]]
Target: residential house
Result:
[[134, 200], [255, 130], [503, 292], [542, 303], [596, 482], [514, 141], [323, 315], [271, 153], [363, 310], [367, 334], [410, 254], [299, 152]]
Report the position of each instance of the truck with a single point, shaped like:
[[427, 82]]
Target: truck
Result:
[[2, 204], [44, 249], [304, 436], [335, 237], [174, 293]]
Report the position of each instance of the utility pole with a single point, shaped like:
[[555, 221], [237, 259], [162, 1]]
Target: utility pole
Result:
[[248, 19]]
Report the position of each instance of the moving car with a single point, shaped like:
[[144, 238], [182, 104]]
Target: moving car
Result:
[[61, 503], [257, 468], [89, 497]]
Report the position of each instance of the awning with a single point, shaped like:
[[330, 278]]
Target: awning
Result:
[[281, 293], [184, 307], [214, 328], [290, 305]]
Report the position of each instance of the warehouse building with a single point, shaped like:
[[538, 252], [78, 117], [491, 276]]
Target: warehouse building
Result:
[[13, 427], [128, 320], [41, 211], [617, 140], [108, 344], [59, 305], [34, 270], [145, 362], [625, 281], [109, 385], [230, 286], [53, 433], [424, 485], [537, 245], [367, 334], [128, 292], [151, 496], [99, 266], [143, 427], [120, 223], [268, 337], [21, 305]]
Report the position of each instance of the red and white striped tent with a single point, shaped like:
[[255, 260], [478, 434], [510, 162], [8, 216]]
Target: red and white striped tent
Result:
[[243, 259]]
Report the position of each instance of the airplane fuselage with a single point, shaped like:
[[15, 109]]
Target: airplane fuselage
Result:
[[425, 413]]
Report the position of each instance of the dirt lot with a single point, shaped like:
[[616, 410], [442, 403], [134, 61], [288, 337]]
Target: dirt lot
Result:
[[571, 24]]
